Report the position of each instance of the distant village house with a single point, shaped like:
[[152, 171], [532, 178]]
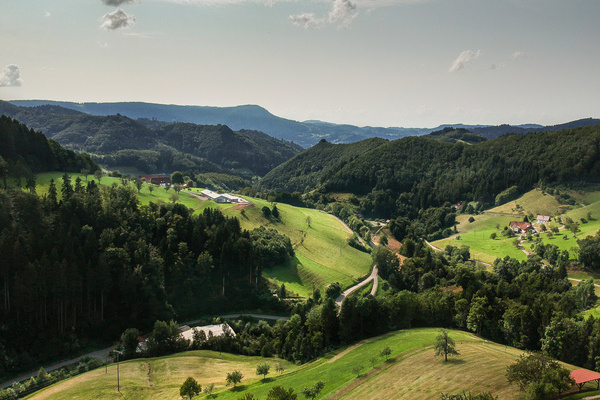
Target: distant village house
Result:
[[520, 227], [157, 179], [543, 219]]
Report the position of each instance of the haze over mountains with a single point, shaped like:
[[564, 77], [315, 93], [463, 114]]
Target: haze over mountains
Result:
[[254, 117]]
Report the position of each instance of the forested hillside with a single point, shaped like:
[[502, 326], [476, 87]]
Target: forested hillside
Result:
[[24, 151], [149, 146], [417, 173]]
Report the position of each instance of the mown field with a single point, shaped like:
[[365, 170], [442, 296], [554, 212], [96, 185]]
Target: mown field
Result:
[[322, 254], [412, 372]]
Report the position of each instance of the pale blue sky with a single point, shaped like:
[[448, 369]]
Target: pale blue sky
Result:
[[365, 62]]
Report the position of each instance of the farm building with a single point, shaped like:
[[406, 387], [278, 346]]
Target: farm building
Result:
[[543, 219], [209, 331], [220, 198], [157, 179], [520, 226]]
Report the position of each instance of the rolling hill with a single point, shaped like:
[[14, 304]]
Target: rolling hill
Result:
[[306, 133], [421, 172], [117, 141], [412, 372]]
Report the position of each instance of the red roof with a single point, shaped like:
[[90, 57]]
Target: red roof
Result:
[[521, 225], [583, 375]]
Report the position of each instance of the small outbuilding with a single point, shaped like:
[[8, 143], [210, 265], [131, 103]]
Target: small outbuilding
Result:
[[583, 376], [543, 219]]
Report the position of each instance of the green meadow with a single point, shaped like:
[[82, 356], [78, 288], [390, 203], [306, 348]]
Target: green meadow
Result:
[[322, 253], [411, 372], [477, 234]]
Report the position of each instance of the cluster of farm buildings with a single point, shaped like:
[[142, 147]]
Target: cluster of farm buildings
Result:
[[221, 197], [527, 227]]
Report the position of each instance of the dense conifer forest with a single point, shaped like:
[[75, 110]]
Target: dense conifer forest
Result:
[[404, 176]]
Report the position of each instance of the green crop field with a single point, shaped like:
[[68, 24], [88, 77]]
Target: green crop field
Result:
[[322, 257], [412, 372]]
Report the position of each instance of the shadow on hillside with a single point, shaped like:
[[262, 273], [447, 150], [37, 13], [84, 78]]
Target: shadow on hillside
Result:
[[455, 361], [239, 388], [267, 380]]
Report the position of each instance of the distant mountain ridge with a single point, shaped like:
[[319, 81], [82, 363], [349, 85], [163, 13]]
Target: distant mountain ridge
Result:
[[306, 133], [146, 146]]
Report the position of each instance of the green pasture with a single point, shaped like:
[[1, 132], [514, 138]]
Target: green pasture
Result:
[[322, 253], [535, 202], [477, 234], [412, 372]]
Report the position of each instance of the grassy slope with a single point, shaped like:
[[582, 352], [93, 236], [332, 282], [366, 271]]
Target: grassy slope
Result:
[[412, 372], [476, 235], [324, 257]]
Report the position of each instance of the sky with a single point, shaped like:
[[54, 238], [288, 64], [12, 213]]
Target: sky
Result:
[[403, 63]]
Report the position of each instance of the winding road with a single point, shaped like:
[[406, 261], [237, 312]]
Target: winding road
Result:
[[347, 292]]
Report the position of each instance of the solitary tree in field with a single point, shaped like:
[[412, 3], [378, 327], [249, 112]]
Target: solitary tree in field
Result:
[[233, 378], [357, 370], [190, 388], [313, 392], [386, 352], [279, 393], [98, 175], [308, 220], [138, 184], [445, 345], [150, 188], [174, 197], [279, 367], [263, 369], [208, 389]]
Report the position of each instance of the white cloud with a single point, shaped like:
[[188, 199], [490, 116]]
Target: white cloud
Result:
[[306, 20], [517, 54], [117, 19], [464, 59], [10, 76], [341, 13], [117, 3], [47, 14]]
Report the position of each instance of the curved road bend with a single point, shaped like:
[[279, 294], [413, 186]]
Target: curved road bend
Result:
[[347, 292], [103, 354]]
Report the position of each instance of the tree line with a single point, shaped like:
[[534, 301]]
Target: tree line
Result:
[[95, 261]]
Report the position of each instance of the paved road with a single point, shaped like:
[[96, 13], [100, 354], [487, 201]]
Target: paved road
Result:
[[347, 292], [102, 355]]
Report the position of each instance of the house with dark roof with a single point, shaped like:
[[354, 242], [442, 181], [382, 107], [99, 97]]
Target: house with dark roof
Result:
[[157, 179]]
